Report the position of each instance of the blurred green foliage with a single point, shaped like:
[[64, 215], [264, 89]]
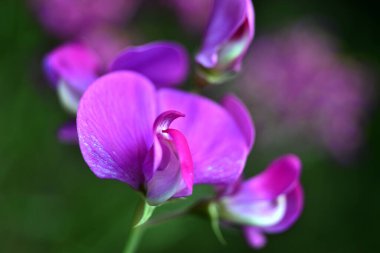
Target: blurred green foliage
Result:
[[51, 202]]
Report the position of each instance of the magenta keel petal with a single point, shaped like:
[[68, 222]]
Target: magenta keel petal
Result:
[[164, 120], [174, 175], [155, 155], [187, 170]]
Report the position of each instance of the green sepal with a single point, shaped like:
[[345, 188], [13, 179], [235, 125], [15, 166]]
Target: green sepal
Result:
[[68, 98], [145, 214], [214, 219], [214, 76]]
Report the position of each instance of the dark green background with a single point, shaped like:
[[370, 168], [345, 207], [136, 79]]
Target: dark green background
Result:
[[51, 202]]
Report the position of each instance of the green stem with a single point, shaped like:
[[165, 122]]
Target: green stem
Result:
[[200, 208], [135, 232], [133, 239], [142, 221], [165, 218]]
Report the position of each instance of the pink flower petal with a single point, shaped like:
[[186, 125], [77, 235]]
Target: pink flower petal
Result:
[[281, 176], [164, 63], [242, 117], [74, 64], [219, 148], [115, 120]]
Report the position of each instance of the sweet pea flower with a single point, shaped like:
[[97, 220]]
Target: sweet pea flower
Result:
[[70, 18], [72, 68], [268, 203], [228, 36], [159, 141]]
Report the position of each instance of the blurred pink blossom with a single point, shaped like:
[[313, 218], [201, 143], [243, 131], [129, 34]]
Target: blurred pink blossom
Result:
[[301, 90], [68, 18], [193, 14], [106, 41]]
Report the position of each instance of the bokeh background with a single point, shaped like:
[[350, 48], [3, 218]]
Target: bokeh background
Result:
[[51, 202]]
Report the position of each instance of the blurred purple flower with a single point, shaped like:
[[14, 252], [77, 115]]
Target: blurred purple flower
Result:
[[267, 203], [164, 63], [70, 18], [67, 133], [106, 41], [126, 132], [228, 36], [301, 90], [72, 68], [188, 10]]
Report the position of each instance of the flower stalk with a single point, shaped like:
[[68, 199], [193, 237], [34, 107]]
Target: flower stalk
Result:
[[136, 230], [134, 238]]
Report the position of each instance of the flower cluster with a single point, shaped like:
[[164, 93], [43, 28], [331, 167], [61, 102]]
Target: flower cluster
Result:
[[97, 24], [133, 123], [68, 18], [301, 90]]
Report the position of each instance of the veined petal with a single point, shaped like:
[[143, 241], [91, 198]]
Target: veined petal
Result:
[[294, 206], [242, 117], [230, 31], [74, 64], [164, 63], [255, 237], [281, 176], [217, 145], [174, 176], [114, 121]]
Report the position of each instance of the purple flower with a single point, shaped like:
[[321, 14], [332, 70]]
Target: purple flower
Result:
[[187, 10], [160, 142], [228, 36], [267, 203], [304, 94], [70, 18], [72, 68], [164, 63]]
